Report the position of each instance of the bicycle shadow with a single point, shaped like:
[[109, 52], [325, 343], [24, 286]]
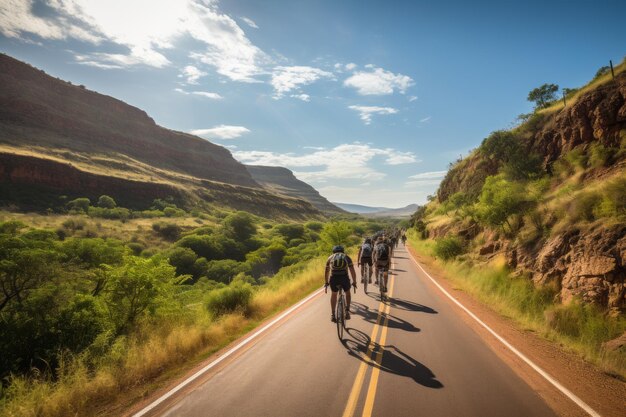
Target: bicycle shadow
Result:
[[393, 360], [393, 322], [410, 306]]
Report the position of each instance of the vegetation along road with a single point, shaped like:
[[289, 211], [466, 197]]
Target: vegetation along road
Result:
[[411, 355]]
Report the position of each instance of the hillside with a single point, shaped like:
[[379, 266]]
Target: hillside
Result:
[[549, 196], [379, 211], [60, 139], [282, 181]]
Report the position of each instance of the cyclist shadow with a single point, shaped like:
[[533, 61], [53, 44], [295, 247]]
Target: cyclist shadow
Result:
[[393, 322], [411, 306], [393, 360]]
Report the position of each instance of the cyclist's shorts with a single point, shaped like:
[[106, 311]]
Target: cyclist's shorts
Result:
[[337, 281], [366, 261], [382, 265]]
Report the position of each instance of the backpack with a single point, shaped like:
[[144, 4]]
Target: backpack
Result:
[[339, 263], [366, 250], [382, 254]]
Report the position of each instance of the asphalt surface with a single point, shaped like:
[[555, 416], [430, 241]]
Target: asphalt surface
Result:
[[409, 356]]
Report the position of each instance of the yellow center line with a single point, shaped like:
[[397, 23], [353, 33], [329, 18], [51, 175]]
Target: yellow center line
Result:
[[360, 376], [371, 391]]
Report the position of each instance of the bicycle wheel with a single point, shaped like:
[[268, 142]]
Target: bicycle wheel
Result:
[[339, 314]]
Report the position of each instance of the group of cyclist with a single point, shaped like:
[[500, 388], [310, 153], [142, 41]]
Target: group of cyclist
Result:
[[376, 252]]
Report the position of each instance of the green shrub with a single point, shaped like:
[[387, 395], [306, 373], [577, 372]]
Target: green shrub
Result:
[[600, 156], [227, 300], [240, 225], [449, 247], [74, 223], [106, 202], [79, 204], [173, 212], [314, 226], [135, 247], [169, 231]]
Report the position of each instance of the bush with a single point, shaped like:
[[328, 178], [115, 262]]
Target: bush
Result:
[[169, 231], [600, 156], [79, 204], [173, 212], [227, 300], [449, 247], [224, 270], [583, 206], [106, 202], [240, 225], [136, 248]]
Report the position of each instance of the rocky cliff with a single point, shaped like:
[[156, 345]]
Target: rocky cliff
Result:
[[564, 240], [58, 114]]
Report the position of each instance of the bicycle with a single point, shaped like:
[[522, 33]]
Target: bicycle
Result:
[[365, 275], [340, 310]]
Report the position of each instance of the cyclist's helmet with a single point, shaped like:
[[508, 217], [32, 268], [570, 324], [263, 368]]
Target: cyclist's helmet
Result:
[[337, 248]]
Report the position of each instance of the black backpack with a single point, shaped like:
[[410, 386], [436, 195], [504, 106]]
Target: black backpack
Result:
[[366, 250], [382, 253], [339, 263]]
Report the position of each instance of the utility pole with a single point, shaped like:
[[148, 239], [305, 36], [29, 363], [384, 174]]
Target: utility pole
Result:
[[612, 72]]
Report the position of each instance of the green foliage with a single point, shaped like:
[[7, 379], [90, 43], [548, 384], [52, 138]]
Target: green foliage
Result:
[[600, 155], [173, 212], [206, 246], [94, 252], [449, 247], [235, 297], [502, 150], [290, 231], [499, 200], [224, 270], [135, 288], [117, 213], [543, 95], [601, 71], [169, 231], [583, 206], [314, 226], [106, 202], [240, 225], [336, 233], [266, 260], [79, 204], [184, 260]]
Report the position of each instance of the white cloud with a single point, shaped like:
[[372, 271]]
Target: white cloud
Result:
[[350, 66], [192, 74], [412, 98], [429, 175], [286, 79], [425, 119], [378, 82], [148, 29], [366, 112], [250, 22], [347, 161], [221, 132], [303, 97], [206, 94]]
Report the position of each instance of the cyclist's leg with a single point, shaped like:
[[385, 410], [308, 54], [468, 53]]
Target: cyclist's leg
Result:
[[386, 276], [333, 296]]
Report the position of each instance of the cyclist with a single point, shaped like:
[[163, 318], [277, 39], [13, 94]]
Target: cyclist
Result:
[[404, 238], [381, 258], [365, 257], [336, 275]]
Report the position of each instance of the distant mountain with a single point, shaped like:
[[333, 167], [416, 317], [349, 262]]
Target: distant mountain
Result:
[[282, 181], [378, 211], [57, 139]]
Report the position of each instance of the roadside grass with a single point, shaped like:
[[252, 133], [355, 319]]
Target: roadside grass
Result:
[[578, 327], [155, 354]]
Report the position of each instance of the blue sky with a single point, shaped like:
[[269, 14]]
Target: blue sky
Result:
[[368, 101]]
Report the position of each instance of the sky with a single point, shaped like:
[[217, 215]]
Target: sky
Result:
[[367, 101]]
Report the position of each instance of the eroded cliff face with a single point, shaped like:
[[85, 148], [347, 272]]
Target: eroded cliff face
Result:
[[597, 116], [589, 265], [57, 114]]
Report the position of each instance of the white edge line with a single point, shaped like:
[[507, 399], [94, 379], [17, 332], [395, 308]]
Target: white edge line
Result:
[[523, 357], [178, 387]]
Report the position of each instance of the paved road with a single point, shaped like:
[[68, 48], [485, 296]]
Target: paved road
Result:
[[410, 356]]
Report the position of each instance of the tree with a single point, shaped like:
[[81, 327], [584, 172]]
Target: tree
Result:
[[601, 71], [543, 95], [240, 225], [499, 200], [80, 204], [106, 202], [335, 233]]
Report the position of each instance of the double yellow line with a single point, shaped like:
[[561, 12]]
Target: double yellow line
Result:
[[353, 399]]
